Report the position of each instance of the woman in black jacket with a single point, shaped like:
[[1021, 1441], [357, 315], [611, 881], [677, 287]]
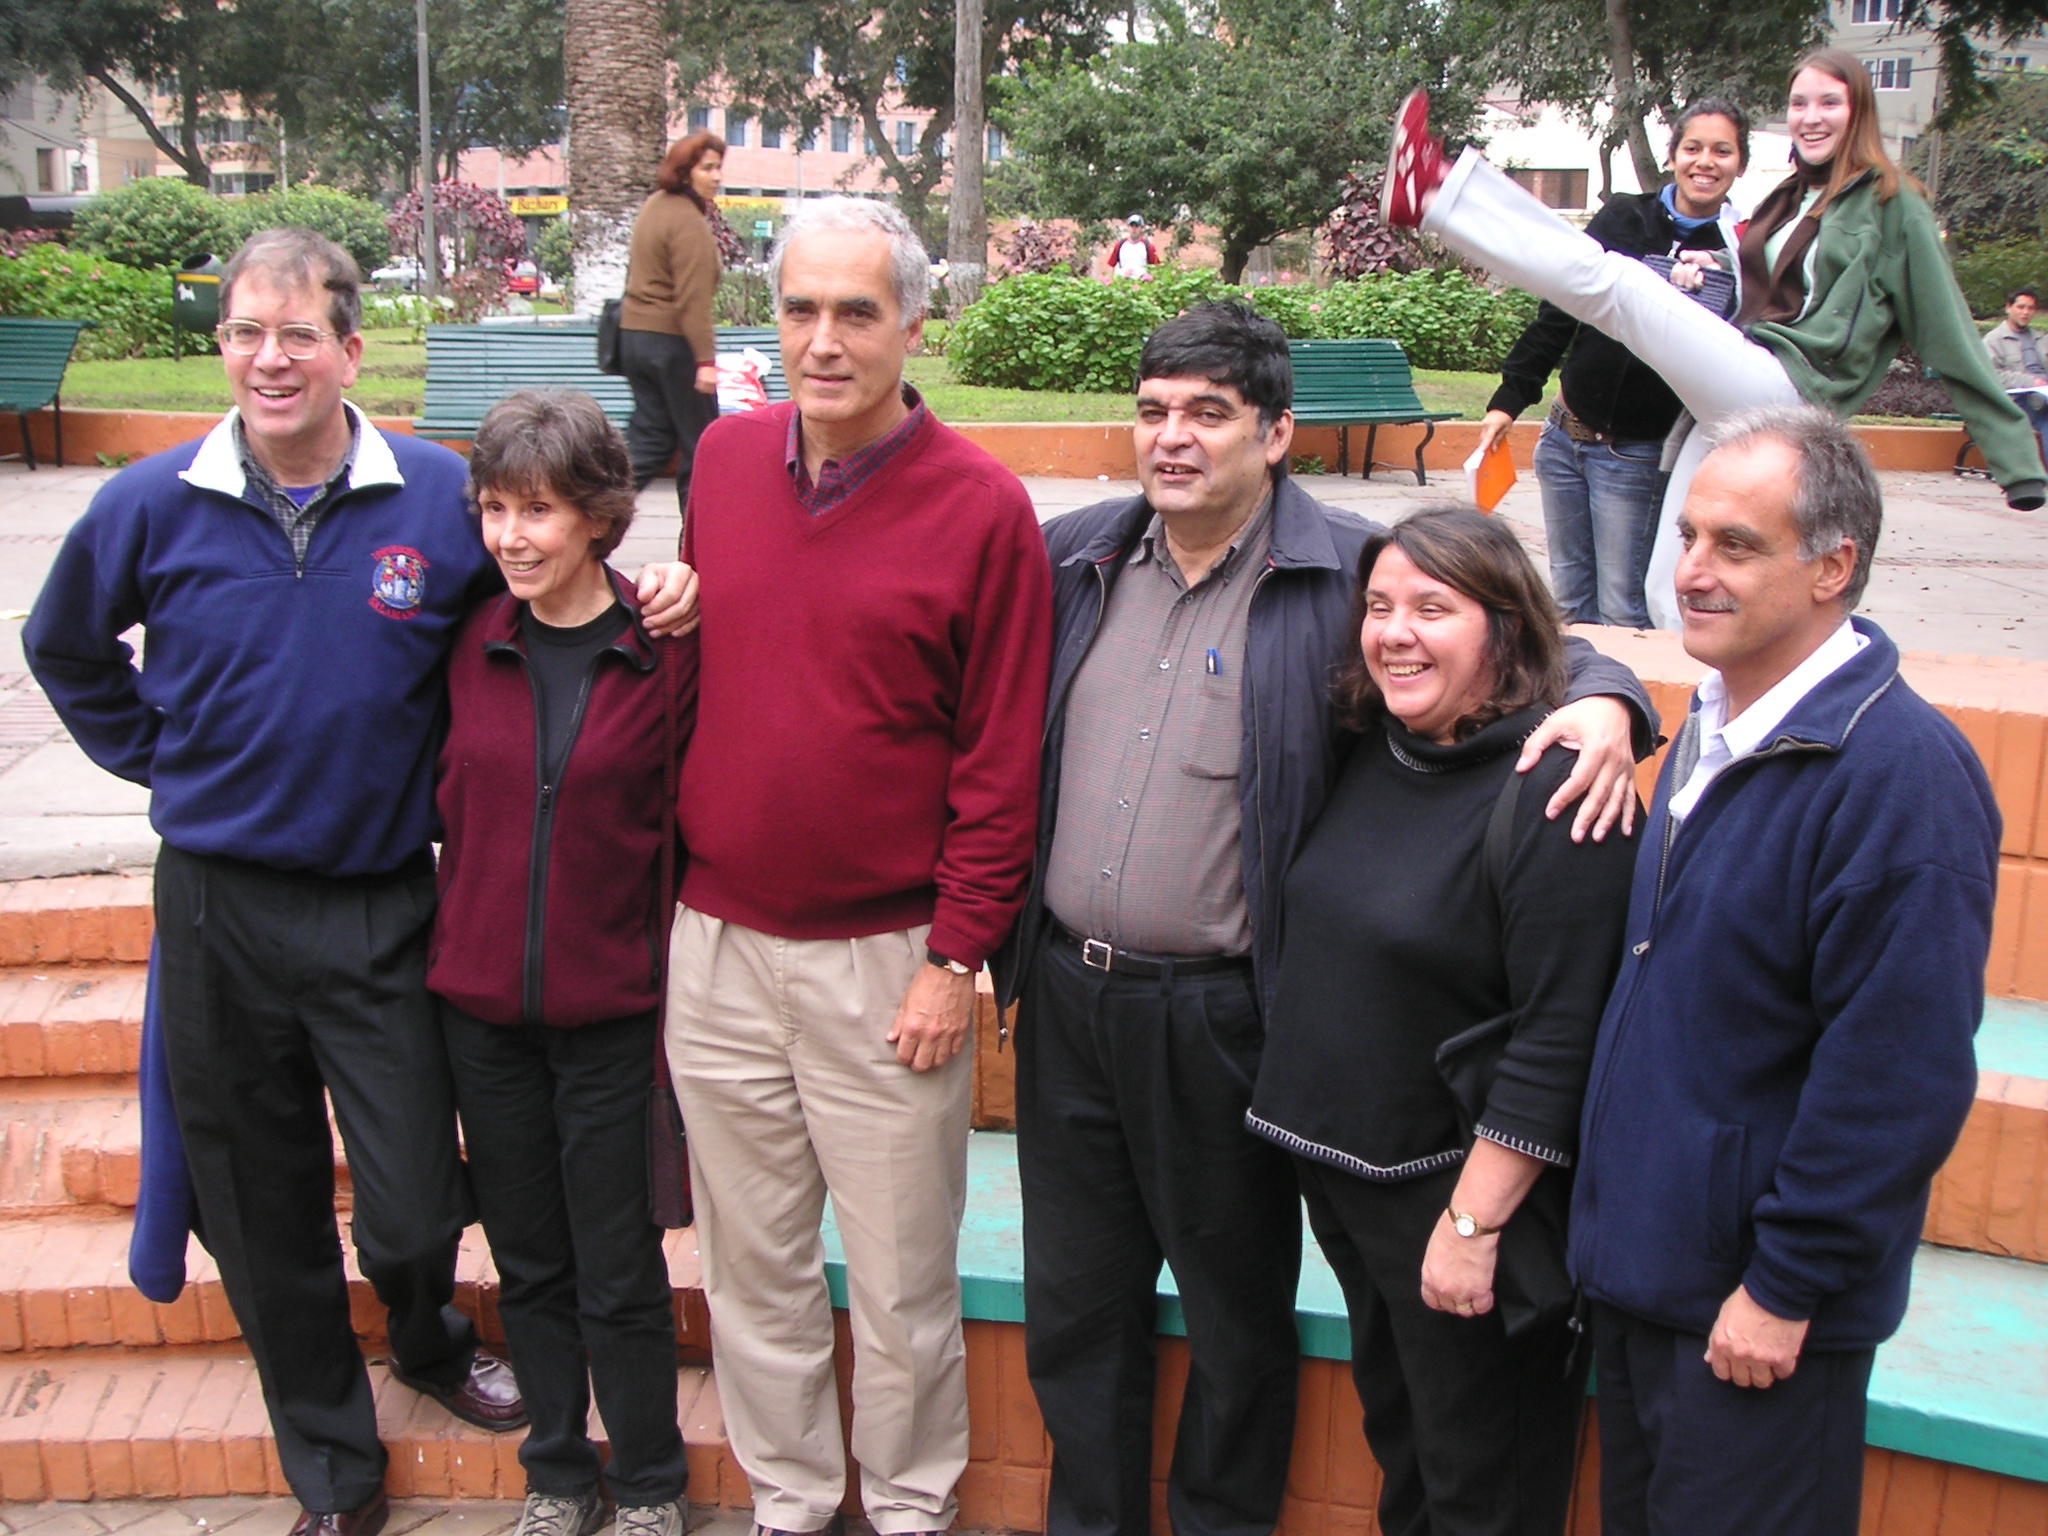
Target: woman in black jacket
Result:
[[1600, 458], [1447, 954]]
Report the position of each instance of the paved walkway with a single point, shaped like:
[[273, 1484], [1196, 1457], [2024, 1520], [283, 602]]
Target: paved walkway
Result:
[[274, 1517], [1956, 571]]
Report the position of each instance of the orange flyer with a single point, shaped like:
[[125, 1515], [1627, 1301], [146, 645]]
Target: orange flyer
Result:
[[1490, 474]]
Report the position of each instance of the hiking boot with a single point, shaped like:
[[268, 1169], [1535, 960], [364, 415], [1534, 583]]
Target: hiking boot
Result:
[[1415, 165], [671, 1519], [547, 1515]]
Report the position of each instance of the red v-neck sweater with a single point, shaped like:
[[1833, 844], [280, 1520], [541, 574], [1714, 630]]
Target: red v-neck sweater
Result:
[[871, 693]]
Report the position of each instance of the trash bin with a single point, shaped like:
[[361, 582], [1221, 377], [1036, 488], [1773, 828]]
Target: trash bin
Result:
[[195, 298]]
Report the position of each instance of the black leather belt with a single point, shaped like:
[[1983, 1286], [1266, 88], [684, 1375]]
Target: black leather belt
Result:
[[1101, 955]]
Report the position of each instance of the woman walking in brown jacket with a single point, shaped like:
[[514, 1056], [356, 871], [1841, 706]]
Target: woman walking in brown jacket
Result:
[[666, 340]]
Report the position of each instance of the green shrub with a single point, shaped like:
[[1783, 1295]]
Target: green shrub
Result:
[[131, 307], [555, 251], [1989, 272], [1051, 331], [157, 222], [354, 223]]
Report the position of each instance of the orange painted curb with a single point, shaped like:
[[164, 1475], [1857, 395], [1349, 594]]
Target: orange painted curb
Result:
[[1080, 450]]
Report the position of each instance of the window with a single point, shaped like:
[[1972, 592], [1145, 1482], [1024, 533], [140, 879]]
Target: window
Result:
[[906, 139], [1890, 74], [735, 128], [46, 170], [1873, 13], [700, 119], [771, 132], [234, 183], [995, 144], [1554, 189], [2016, 62], [842, 136], [81, 180]]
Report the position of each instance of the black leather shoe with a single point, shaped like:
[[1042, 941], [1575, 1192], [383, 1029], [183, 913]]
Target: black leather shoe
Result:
[[488, 1398], [367, 1521]]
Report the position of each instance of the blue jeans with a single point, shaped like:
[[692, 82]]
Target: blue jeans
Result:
[[1600, 504], [2036, 407]]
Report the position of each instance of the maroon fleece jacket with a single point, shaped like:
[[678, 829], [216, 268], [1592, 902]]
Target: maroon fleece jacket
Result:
[[871, 696], [569, 927]]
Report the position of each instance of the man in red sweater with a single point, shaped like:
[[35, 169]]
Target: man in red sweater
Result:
[[860, 802]]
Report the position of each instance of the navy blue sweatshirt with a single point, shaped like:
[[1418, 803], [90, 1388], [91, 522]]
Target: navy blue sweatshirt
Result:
[[1786, 1059], [289, 718]]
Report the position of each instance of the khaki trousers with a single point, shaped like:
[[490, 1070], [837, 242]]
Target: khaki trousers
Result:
[[791, 1091]]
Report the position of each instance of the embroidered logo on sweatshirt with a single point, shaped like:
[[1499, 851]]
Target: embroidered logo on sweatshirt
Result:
[[398, 583]]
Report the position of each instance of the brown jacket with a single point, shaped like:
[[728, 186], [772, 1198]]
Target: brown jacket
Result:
[[672, 273]]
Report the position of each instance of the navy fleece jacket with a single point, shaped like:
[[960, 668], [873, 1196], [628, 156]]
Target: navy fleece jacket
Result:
[[1786, 1058], [286, 717]]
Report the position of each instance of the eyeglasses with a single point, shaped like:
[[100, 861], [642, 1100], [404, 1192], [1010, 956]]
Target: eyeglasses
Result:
[[244, 338]]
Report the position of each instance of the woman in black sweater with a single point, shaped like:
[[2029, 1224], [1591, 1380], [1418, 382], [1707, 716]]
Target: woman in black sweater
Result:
[[1448, 952]]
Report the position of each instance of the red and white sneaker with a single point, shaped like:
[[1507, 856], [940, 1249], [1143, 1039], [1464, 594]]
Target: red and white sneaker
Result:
[[1415, 164]]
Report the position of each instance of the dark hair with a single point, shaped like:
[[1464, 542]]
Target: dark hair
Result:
[[1479, 556], [682, 158], [2021, 293], [304, 259], [1713, 106], [1229, 343], [561, 444]]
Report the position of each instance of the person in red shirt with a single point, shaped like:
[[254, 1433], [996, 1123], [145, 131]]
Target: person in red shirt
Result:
[[859, 800]]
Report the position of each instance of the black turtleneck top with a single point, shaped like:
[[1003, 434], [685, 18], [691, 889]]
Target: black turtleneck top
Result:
[[1395, 941]]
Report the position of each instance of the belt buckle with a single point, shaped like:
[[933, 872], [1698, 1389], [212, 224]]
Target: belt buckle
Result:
[[1097, 953]]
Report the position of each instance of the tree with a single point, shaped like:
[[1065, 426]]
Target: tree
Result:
[[1249, 116], [341, 77], [1968, 76], [967, 224], [618, 130], [74, 44], [1994, 168], [803, 61], [1624, 60]]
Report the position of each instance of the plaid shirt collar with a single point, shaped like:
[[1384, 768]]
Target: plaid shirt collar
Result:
[[296, 521], [840, 478]]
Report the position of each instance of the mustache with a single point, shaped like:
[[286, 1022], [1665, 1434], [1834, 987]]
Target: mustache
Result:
[[1708, 604]]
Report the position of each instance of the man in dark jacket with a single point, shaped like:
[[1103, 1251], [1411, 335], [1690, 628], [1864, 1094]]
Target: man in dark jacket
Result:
[[1190, 740], [1600, 459], [1786, 1058]]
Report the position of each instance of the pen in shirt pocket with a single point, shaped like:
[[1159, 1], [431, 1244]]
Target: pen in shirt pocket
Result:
[[1215, 663]]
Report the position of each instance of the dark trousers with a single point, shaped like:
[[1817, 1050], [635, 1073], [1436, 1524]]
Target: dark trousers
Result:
[[1131, 1147], [1683, 1453], [669, 411], [555, 1124], [279, 992], [1476, 1433]]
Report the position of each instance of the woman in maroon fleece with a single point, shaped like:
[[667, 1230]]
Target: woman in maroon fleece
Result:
[[557, 879]]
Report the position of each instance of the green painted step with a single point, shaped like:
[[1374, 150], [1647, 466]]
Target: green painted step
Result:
[[1965, 1381], [2013, 1037]]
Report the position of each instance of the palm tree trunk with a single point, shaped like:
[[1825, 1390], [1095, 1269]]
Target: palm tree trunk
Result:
[[617, 85]]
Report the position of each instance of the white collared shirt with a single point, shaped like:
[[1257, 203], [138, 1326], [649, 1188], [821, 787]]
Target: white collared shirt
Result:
[[1722, 740]]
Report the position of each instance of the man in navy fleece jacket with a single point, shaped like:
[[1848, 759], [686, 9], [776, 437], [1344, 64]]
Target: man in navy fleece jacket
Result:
[[1786, 1059]]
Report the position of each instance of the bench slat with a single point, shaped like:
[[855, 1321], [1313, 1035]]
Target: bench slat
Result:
[[34, 353]]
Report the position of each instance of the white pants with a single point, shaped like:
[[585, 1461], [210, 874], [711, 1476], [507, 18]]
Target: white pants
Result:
[[789, 1089], [1713, 368]]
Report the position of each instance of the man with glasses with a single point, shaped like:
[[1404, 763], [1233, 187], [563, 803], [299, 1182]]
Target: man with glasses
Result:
[[301, 576]]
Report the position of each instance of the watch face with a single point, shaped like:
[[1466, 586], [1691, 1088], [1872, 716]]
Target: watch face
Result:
[[1465, 1226]]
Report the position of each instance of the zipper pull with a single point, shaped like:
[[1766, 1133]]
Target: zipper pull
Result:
[[1642, 948], [547, 795]]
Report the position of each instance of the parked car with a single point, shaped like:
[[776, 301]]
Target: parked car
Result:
[[405, 272], [525, 279]]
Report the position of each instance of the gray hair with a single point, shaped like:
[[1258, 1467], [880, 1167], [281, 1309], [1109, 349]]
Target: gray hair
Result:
[[910, 269], [304, 259], [1835, 494]]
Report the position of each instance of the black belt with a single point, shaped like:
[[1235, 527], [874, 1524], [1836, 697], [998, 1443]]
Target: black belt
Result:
[[1101, 955]]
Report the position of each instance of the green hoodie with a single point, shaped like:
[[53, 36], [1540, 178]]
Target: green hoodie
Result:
[[1876, 276]]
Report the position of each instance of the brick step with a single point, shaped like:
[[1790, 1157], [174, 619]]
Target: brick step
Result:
[[109, 1424], [75, 920], [67, 1020], [64, 1285]]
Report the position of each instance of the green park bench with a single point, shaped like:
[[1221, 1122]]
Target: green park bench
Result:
[[33, 357], [470, 368], [1362, 383]]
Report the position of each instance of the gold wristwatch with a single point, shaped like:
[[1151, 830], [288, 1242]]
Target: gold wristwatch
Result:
[[1467, 1226]]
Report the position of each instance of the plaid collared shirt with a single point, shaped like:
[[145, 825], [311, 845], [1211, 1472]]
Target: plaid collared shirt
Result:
[[298, 522], [840, 478]]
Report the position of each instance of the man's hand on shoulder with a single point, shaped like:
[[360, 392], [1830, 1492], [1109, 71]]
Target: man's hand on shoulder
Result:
[[668, 599], [1752, 1347], [1598, 729], [931, 1025]]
